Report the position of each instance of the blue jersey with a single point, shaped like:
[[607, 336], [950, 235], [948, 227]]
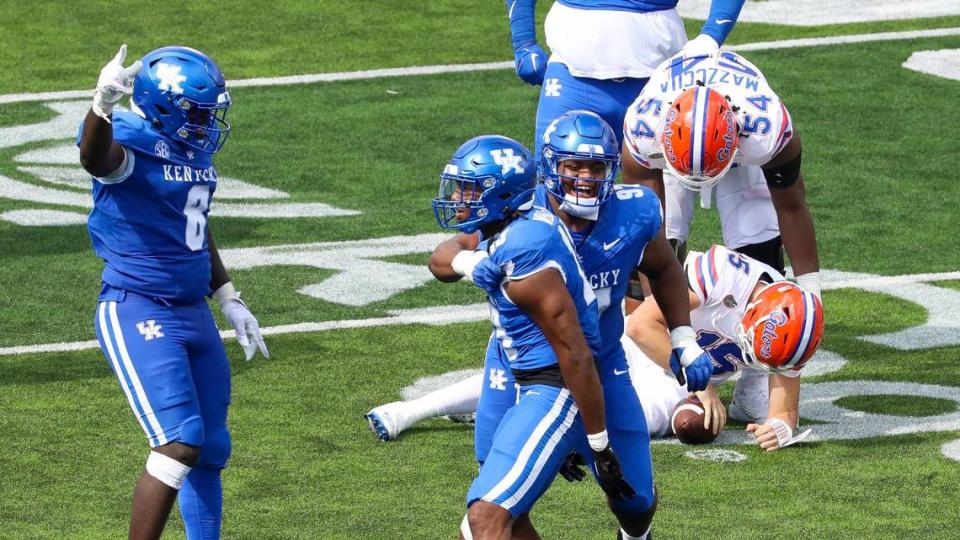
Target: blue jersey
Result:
[[610, 252], [536, 241], [150, 229], [637, 6]]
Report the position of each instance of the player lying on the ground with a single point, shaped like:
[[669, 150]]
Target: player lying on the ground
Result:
[[749, 319], [732, 288], [545, 322], [716, 127], [153, 178]]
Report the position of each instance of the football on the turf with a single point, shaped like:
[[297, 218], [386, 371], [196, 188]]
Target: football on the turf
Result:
[[687, 423]]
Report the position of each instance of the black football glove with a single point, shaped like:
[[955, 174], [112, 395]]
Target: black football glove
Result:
[[610, 476], [570, 470]]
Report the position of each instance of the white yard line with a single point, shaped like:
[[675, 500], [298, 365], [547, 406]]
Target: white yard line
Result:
[[444, 315], [435, 316], [458, 68]]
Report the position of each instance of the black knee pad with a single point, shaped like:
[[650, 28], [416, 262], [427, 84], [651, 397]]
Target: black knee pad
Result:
[[769, 252]]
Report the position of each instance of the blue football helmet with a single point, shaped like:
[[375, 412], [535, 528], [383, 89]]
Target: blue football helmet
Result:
[[183, 94], [579, 135], [488, 178]]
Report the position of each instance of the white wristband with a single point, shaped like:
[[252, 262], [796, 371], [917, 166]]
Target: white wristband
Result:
[[811, 282], [683, 337], [598, 441]]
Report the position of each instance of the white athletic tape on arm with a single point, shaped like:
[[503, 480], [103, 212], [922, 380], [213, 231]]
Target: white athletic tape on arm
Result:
[[811, 282], [465, 261], [465, 529], [167, 470], [785, 433]]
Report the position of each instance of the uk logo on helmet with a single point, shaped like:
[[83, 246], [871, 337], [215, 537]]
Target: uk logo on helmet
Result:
[[170, 77], [506, 159]]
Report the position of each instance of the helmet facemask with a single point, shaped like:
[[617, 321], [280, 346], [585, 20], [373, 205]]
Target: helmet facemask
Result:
[[580, 196], [459, 204]]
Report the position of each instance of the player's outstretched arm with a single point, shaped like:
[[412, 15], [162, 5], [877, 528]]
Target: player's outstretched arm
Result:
[[717, 26], [444, 262], [100, 155], [688, 362], [783, 415], [544, 297], [234, 309], [796, 224]]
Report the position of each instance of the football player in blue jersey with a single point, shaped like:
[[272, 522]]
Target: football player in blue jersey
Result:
[[578, 165], [602, 52], [544, 315], [153, 178]]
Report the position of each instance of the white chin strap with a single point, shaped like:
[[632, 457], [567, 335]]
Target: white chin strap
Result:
[[571, 206]]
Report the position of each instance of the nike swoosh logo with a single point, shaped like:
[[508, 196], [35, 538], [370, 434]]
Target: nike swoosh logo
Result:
[[723, 21], [606, 246], [533, 60], [619, 372]]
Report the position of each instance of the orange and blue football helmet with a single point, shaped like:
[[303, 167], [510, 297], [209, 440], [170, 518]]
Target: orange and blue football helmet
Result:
[[781, 327], [699, 137]]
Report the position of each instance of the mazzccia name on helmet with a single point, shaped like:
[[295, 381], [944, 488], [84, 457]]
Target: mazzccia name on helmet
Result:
[[186, 173]]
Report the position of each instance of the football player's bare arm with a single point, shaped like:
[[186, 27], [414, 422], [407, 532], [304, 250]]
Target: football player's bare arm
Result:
[[218, 272], [544, 297], [793, 216], [785, 399], [647, 327], [667, 281], [441, 261], [245, 325], [635, 173], [784, 407], [100, 155]]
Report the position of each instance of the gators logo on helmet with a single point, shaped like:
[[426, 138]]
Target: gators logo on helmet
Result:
[[782, 327], [699, 137]]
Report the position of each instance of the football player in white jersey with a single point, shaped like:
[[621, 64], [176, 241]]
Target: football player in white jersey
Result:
[[727, 290], [712, 124], [747, 317]]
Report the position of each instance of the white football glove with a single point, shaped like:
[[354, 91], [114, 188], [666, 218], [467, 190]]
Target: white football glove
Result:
[[243, 322], [115, 82], [702, 45]]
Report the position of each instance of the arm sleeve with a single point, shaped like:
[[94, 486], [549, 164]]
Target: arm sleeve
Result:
[[522, 14], [723, 16], [703, 272]]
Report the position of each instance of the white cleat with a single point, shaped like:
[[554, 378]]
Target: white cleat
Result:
[[386, 421]]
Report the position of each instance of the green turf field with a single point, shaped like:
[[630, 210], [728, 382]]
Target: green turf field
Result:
[[881, 184]]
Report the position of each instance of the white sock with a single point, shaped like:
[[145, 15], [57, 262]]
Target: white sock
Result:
[[458, 398], [626, 536]]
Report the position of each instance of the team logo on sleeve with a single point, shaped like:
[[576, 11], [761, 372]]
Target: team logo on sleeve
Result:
[[162, 149]]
